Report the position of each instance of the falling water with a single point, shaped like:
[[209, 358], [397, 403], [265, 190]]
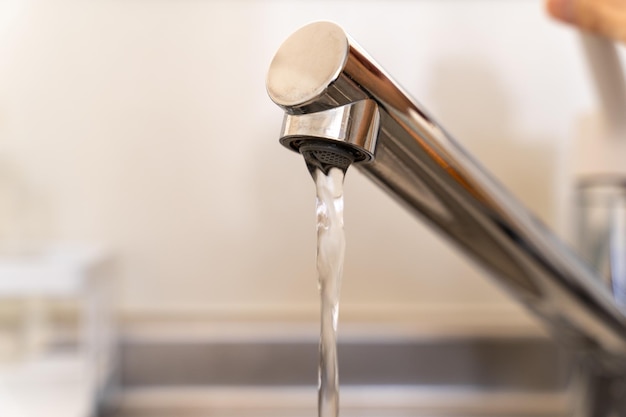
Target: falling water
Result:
[[330, 255]]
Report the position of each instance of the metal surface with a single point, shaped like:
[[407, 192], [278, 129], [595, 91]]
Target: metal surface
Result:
[[355, 125], [422, 166]]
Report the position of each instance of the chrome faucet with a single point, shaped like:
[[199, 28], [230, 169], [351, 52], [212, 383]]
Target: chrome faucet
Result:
[[336, 98]]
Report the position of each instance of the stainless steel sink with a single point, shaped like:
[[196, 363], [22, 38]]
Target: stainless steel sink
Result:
[[531, 364], [508, 376]]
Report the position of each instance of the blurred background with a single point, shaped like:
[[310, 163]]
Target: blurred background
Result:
[[143, 192]]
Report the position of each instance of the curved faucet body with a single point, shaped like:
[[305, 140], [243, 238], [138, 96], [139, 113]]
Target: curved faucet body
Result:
[[331, 91]]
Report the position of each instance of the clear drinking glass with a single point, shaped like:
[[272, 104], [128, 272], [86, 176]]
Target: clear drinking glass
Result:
[[601, 230]]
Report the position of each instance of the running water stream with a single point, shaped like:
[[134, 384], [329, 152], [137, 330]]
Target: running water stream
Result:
[[330, 255]]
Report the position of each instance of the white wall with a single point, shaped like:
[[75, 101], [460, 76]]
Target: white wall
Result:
[[144, 125]]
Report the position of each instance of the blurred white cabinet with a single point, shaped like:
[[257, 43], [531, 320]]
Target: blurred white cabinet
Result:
[[68, 382]]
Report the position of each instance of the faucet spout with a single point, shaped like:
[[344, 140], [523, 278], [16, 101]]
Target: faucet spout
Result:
[[332, 92]]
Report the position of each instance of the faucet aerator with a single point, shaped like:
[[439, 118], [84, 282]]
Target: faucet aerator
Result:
[[324, 155]]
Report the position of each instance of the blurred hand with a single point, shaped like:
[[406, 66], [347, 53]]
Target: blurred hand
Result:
[[603, 17]]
